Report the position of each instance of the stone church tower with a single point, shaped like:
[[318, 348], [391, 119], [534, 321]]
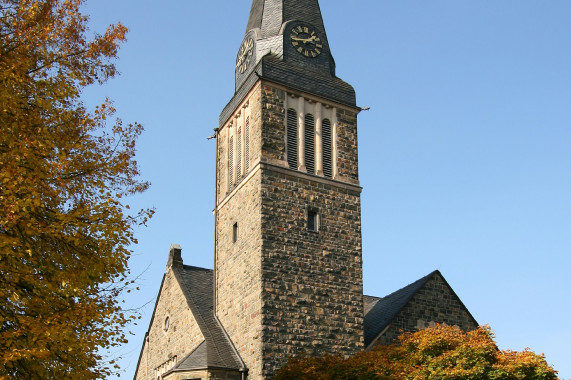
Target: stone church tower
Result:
[[287, 276], [288, 268]]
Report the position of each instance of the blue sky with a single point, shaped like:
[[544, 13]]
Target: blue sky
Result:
[[465, 155]]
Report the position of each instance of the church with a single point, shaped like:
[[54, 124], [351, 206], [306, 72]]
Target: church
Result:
[[288, 270]]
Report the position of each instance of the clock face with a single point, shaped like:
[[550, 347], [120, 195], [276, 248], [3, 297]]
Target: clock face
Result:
[[245, 55], [306, 41]]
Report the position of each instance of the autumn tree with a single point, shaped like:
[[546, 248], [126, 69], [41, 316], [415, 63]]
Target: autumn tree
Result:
[[65, 229], [440, 352]]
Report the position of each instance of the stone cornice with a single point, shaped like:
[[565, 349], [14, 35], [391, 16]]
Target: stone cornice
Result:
[[294, 173]]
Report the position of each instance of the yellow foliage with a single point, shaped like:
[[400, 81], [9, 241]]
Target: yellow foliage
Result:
[[64, 231], [435, 353]]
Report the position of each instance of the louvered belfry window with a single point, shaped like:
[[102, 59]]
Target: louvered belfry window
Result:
[[247, 146], [327, 148], [231, 161], [310, 143], [292, 138], [239, 153]]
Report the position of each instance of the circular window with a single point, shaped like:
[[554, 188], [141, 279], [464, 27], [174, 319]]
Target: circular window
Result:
[[167, 323]]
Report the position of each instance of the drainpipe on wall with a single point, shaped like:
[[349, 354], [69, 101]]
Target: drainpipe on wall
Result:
[[215, 274]]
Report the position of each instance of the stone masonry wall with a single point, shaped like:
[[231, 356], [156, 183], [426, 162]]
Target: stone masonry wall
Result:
[[347, 153], [312, 281], [238, 271], [182, 336], [252, 108], [281, 289], [238, 264], [434, 303], [273, 132], [313, 291]]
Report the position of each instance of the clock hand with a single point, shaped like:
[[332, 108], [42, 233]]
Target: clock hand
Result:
[[243, 57], [305, 40], [240, 60]]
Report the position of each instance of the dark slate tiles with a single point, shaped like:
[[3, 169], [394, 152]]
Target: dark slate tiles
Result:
[[197, 359], [273, 69], [382, 311], [217, 350]]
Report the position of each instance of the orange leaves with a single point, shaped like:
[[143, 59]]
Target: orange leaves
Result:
[[64, 172], [440, 352]]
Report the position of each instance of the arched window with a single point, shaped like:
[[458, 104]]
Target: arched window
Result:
[[310, 143], [291, 136], [231, 162], [327, 148], [239, 153], [247, 147]]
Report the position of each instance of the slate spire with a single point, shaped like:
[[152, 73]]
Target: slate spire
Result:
[[285, 42], [270, 15], [269, 19]]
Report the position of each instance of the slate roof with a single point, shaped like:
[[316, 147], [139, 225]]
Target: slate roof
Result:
[[296, 77], [275, 59], [379, 312], [369, 302], [217, 351], [269, 15]]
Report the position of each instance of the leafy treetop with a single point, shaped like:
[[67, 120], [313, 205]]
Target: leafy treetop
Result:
[[440, 352], [65, 229]]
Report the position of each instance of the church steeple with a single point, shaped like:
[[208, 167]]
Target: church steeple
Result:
[[288, 269], [285, 42]]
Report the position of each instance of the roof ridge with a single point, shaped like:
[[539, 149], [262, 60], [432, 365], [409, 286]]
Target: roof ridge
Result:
[[384, 310], [421, 281], [185, 266]]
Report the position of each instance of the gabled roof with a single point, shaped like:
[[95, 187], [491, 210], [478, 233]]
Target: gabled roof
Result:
[[217, 350], [379, 312]]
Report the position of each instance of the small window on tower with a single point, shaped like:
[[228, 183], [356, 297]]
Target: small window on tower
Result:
[[312, 221], [235, 232]]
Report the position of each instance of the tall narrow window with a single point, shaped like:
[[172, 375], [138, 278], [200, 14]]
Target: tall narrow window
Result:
[[247, 147], [327, 149], [231, 162], [239, 154], [235, 232], [292, 138], [310, 143]]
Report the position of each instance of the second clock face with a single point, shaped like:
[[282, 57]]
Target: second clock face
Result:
[[306, 41], [245, 55]]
